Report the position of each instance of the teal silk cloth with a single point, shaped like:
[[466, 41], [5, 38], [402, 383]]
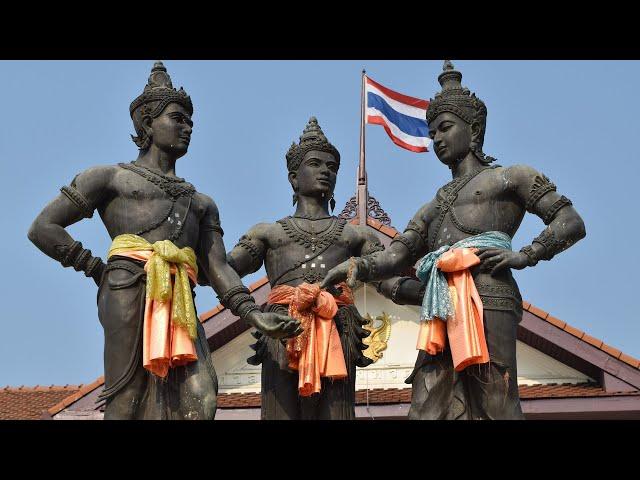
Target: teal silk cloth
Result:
[[437, 301]]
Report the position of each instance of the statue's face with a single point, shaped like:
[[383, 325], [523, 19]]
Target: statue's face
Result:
[[451, 137], [171, 130], [316, 175]]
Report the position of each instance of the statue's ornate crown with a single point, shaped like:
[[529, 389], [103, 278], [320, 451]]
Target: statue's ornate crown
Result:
[[312, 138], [160, 89], [455, 98]]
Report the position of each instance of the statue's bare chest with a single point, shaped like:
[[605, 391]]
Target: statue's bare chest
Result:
[[473, 205], [303, 251], [153, 207]]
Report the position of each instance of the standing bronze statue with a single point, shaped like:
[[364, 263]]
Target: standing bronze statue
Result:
[[471, 305], [157, 361], [313, 375]]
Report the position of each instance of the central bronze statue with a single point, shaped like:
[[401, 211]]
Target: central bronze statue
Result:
[[166, 236], [471, 305], [313, 375]]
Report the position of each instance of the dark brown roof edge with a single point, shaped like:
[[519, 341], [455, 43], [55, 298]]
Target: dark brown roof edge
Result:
[[65, 402]]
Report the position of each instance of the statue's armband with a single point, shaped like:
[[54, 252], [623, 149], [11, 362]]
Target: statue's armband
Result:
[[78, 200], [247, 255], [416, 243], [539, 188], [547, 210]]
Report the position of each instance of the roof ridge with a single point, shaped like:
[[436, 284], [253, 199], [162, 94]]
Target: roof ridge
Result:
[[593, 341], [41, 388]]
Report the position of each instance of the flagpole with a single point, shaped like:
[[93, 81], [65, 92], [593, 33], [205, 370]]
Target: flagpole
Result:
[[362, 191]]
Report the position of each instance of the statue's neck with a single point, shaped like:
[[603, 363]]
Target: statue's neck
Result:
[[467, 165], [156, 159], [312, 207]]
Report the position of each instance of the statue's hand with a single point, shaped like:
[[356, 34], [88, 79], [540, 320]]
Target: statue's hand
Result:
[[274, 325], [496, 259], [347, 270]]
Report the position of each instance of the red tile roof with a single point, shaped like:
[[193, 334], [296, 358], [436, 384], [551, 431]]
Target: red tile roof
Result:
[[29, 403], [65, 402], [397, 395]]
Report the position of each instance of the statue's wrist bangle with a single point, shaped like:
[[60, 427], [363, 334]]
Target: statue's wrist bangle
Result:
[[531, 255]]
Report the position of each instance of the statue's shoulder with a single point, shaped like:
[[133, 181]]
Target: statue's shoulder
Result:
[[95, 178], [519, 173], [120, 173], [361, 233], [524, 178], [358, 230], [264, 231], [427, 211]]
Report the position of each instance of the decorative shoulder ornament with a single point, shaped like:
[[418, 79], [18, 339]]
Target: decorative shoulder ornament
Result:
[[456, 99], [540, 187]]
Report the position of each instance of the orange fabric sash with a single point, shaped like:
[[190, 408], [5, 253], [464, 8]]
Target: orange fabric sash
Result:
[[164, 345], [465, 330], [317, 351]]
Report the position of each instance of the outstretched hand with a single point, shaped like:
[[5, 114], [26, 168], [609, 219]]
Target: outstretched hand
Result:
[[346, 271], [496, 259], [274, 325]]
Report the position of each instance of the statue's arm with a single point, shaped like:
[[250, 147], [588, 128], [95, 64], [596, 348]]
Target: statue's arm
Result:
[[402, 290], [76, 201], [404, 251], [539, 196], [212, 260], [248, 254]]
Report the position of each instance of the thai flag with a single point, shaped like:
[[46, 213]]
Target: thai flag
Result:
[[403, 117]]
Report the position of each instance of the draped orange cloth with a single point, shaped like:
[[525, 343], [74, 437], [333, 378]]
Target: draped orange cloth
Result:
[[465, 329], [317, 352], [164, 345]]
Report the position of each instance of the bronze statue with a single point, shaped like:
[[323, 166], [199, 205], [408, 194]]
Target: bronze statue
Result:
[[467, 290], [156, 358], [313, 375]]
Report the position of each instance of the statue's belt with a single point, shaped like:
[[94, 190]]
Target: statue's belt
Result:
[[452, 307], [169, 319], [317, 352]]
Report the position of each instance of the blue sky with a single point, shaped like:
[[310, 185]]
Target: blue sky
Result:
[[576, 121]]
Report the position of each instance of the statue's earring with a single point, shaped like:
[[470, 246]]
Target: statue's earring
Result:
[[332, 203], [295, 198]]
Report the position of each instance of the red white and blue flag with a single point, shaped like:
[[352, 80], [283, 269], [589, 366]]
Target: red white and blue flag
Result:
[[403, 117]]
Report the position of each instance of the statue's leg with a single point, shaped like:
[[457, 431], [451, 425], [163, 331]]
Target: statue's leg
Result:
[[196, 385], [126, 403], [437, 389], [121, 299], [338, 397], [493, 387], [279, 385]]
